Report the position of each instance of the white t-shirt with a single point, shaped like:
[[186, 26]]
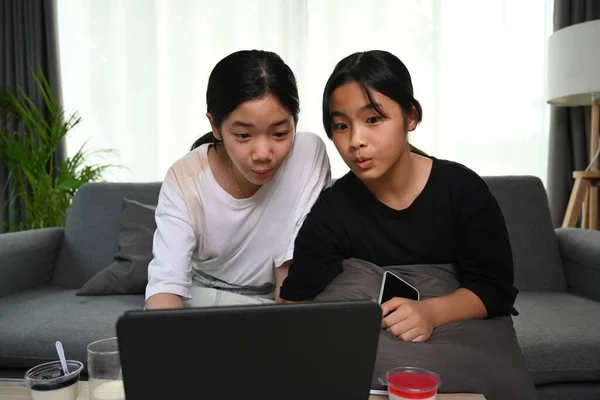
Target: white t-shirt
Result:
[[239, 241]]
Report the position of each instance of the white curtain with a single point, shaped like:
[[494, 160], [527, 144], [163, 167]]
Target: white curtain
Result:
[[136, 71]]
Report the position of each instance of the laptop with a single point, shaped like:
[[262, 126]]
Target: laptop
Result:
[[267, 352]]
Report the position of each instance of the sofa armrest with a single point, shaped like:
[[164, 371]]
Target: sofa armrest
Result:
[[28, 258], [580, 250]]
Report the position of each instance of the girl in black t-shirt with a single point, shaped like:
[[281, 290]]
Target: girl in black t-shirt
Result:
[[398, 207]]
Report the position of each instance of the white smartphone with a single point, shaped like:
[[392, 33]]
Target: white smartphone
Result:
[[394, 286]]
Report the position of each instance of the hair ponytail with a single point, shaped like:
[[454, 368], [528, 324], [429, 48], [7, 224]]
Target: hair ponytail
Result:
[[415, 150], [206, 138]]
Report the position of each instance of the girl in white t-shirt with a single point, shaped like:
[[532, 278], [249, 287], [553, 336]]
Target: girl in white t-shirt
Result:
[[229, 210]]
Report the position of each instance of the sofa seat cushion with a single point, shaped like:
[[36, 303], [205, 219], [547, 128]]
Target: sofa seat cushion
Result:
[[32, 321], [559, 334]]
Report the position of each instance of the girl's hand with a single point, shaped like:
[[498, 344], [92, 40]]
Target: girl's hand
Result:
[[409, 320]]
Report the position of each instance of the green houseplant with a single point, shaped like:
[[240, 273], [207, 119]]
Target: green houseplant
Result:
[[41, 187]]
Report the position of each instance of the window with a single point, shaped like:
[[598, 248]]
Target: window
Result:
[[136, 71]]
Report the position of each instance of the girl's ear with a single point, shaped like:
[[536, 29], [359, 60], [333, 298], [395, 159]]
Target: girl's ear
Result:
[[413, 118], [215, 131]]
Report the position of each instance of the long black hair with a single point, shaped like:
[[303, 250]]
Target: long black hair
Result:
[[374, 70], [247, 75]]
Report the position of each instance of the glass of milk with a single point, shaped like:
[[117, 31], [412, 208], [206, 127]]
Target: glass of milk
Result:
[[48, 381], [104, 370], [408, 383]]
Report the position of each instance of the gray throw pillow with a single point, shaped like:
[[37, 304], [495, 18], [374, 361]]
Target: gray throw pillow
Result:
[[475, 356], [361, 280], [128, 273]]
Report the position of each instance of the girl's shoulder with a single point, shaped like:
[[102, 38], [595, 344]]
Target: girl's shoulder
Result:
[[307, 144], [307, 159], [462, 182], [190, 166], [345, 192], [455, 173]]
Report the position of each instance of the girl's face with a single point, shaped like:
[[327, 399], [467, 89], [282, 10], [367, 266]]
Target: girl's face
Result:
[[258, 135], [370, 144]]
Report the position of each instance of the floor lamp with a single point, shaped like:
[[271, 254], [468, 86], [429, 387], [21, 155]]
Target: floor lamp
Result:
[[574, 80]]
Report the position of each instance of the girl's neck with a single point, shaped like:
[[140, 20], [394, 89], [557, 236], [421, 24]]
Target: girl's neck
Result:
[[405, 180]]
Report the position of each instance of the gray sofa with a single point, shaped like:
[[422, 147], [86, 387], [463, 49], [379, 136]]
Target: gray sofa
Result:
[[40, 271], [557, 272]]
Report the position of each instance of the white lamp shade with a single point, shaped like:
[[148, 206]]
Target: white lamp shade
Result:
[[574, 65]]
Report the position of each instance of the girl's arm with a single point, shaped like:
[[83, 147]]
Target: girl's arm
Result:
[[280, 274], [415, 320], [485, 264], [484, 254], [318, 253], [460, 305], [308, 224], [169, 272], [164, 301], [485, 270]]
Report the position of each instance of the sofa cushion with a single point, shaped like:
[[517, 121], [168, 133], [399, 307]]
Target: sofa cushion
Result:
[[569, 391], [34, 320], [537, 260], [128, 273], [92, 230], [558, 334]]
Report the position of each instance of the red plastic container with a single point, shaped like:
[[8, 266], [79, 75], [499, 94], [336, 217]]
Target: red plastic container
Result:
[[409, 383]]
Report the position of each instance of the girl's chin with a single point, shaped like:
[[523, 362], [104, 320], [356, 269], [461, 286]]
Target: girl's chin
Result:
[[362, 171], [260, 178], [367, 176]]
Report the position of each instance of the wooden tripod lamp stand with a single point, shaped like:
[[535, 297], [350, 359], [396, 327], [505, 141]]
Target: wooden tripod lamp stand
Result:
[[574, 80]]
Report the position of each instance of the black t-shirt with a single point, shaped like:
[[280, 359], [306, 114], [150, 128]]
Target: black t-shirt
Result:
[[455, 219]]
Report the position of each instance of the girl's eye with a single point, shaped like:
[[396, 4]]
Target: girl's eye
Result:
[[339, 127], [242, 136], [373, 120], [280, 135]]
